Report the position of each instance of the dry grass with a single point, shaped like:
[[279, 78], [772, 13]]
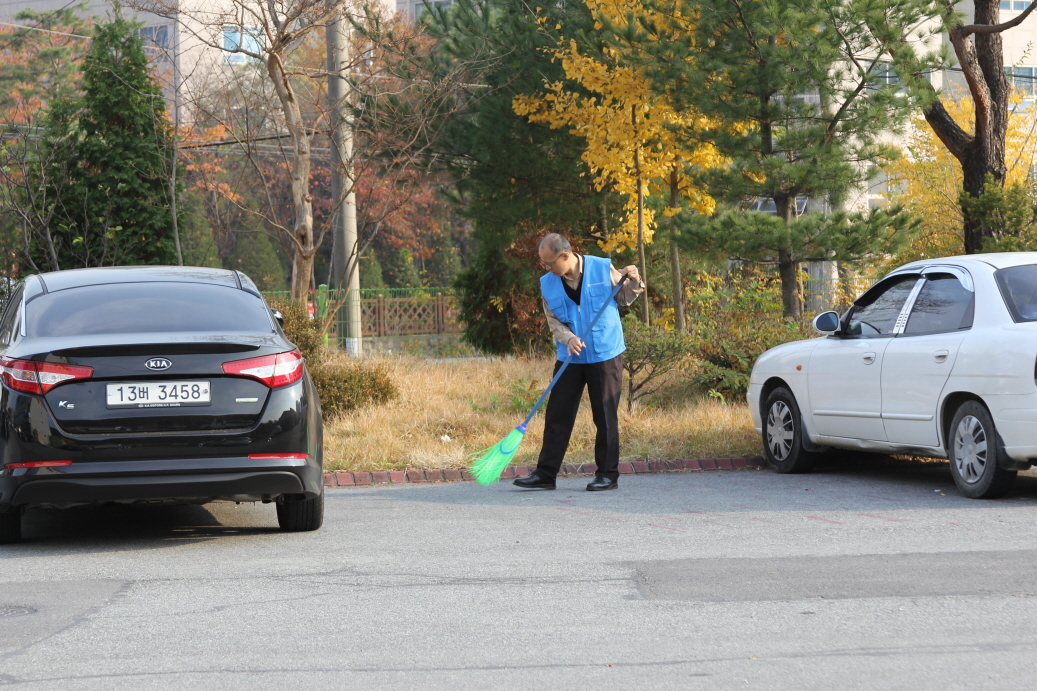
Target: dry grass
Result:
[[450, 409]]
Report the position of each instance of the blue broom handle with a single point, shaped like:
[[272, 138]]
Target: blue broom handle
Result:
[[565, 363]]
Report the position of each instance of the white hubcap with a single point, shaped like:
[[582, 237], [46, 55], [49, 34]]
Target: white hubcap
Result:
[[780, 430], [970, 449]]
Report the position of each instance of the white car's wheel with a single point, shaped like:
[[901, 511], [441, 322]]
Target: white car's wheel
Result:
[[973, 452], [783, 434]]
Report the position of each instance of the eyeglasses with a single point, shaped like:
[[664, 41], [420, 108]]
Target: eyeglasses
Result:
[[550, 264]]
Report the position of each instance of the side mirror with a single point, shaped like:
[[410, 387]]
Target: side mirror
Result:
[[278, 316], [826, 323]]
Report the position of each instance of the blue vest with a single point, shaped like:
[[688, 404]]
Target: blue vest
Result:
[[605, 340]]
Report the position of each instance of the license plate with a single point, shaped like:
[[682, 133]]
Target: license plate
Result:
[[152, 394]]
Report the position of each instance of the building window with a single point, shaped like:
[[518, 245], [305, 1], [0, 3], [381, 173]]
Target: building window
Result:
[[1024, 79], [235, 38], [155, 37], [419, 7], [1014, 5], [882, 74], [766, 205]]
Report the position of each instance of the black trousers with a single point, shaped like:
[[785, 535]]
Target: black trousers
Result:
[[604, 383]]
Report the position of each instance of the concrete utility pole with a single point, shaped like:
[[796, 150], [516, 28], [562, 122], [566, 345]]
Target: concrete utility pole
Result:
[[176, 139], [345, 259]]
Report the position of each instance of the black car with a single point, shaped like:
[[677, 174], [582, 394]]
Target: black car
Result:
[[153, 385]]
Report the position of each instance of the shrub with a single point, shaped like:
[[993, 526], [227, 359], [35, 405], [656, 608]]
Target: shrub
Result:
[[352, 384], [652, 353], [342, 384], [732, 321]]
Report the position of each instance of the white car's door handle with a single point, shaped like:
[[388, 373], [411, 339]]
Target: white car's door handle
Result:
[[941, 355], [869, 358]]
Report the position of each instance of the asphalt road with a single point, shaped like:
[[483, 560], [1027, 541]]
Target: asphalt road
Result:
[[860, 577]]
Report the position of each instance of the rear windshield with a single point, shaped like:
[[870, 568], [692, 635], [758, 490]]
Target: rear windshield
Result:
[[146, 308], [1018, 286]]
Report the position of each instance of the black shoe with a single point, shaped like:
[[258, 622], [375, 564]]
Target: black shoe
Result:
[[534, 481], [602, 483]]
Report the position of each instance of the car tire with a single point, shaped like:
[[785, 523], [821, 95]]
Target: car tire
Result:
[[974, 454], [783, 434], [10, 526], [297, 514]]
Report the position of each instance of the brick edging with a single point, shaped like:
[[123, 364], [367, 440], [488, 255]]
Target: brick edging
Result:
[[395, 477]]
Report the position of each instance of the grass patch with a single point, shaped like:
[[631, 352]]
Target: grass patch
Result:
[[448, 410]]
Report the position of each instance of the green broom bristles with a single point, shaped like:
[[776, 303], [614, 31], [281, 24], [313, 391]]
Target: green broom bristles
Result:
[[488, 468]]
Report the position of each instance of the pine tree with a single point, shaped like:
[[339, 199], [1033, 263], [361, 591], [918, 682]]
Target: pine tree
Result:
[[516, 180], [36, 66], [106, 161], [795, 95], [978, 143]]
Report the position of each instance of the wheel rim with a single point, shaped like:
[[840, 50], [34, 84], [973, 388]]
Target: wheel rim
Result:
[[970, 449], [780, 430]]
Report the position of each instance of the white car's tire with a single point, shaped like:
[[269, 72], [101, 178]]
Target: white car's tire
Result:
[[783, 434], [974, 454]]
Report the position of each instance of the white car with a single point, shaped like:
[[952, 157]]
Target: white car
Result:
[[939, 358]]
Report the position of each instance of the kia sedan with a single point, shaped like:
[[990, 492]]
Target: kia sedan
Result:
[[939, 359], [153, 385]]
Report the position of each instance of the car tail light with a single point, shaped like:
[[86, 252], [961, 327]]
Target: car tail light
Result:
[[262, 456], [275, 371], [40, 377], [37, 464]]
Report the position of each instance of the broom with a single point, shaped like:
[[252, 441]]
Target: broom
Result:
[[491, 462]]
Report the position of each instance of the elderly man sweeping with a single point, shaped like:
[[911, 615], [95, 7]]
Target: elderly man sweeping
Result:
[[574, 289]]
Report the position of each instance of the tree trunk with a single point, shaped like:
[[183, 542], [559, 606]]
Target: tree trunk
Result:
[[641, 246], [675, 259], [302, 200], [788, 266], [982, 153], [784, 208], [172, 198], [640, 221], [788, 269], [975, 168]]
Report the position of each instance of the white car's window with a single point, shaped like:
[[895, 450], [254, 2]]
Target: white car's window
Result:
[[878, 315], [943, 304], [1018, 286]]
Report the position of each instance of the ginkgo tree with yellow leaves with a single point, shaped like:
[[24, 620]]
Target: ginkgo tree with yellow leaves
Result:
[[631, 147]]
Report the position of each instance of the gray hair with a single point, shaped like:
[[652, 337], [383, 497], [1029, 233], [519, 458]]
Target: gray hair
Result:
[[556, 243]]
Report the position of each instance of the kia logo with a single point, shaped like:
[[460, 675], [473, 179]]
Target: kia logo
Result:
[[158, 363]]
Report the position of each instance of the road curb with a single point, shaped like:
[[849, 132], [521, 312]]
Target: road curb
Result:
[[397, 477]]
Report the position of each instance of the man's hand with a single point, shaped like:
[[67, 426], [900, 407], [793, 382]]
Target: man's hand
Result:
[[632, 272], [575, 345]]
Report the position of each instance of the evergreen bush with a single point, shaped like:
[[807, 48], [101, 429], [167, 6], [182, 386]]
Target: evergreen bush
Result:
[[106, 160]]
